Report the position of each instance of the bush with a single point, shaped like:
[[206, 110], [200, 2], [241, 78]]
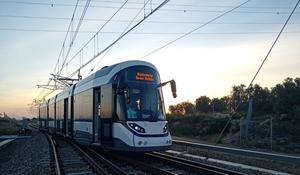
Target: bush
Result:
[[220, 140], [196, 125], [217, 125], [295, 113], [6, 131], [184, 131], [236, 127], [281, 129]]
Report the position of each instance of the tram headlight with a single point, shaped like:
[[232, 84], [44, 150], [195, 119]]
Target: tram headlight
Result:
[[165, 129], [136, 127]]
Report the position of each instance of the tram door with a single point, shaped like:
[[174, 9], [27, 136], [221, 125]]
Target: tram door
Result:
[[96, 114], [65, 119], [106, 99]]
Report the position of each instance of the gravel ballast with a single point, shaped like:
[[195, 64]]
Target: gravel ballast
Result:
[[32, 156], [26, 156]]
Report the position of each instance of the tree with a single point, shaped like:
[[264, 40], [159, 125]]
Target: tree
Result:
[[297, 92], [203, 104], [182, 108], [237, 95], [286, 95], [176, 109], [277, 93], [218, 105], [188, 107], [226, 101], [291, 94], [261, 101], [283, 98]]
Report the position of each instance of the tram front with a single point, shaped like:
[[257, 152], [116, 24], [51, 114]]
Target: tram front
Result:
[[141, 100]]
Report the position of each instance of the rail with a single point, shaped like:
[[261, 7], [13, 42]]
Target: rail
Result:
[[53, 143], [270, 156]]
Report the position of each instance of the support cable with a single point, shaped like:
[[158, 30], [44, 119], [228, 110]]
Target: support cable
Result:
[[244, 93]]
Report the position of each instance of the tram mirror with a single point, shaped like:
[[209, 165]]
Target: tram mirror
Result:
[[173, 88], [120, 88]]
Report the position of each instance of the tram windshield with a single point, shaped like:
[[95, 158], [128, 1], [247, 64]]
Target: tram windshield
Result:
[[143, 96]]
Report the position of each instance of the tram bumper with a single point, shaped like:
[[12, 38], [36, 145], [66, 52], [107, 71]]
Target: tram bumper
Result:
[[148, 144]]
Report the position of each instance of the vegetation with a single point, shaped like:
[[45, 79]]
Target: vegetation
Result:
[[10, 126], [7, 131], [282, 99], [217, 120], [7, 125]]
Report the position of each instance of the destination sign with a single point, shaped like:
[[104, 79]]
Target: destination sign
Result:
[[144, 76]]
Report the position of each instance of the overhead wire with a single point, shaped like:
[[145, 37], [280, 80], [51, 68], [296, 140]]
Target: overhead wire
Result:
[[120, 36], [188, 33], [49, 92], [95, 35], [126, 21], [66, 36], [75, 34], [281, 31], [152, 33], [192, 32], [138, 3], [57, 63]]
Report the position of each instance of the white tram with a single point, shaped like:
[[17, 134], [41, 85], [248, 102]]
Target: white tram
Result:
[[119, 107]]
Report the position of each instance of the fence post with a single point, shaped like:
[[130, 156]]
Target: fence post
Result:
[[271, 141]]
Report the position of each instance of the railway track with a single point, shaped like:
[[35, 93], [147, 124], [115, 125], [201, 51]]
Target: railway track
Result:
[[131, 166], [158, 163], [192, 166], [41, 158], [70, 158], [97, 161], [67, 157]]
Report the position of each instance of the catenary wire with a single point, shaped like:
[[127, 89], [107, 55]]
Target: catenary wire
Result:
[[66, 36], [191, 33], [152, 33], [98, 32], [194, 30], [120, 36], [126, 21], [75, 34], [57, 63], [49, 92], [174, 5]]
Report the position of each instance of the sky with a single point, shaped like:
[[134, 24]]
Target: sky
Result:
[[205, 46]]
